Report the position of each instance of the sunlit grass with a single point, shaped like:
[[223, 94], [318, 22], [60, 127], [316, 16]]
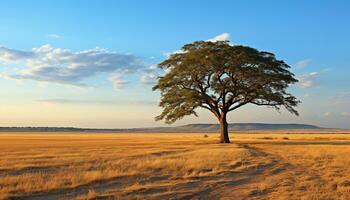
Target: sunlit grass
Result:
[[36, 163], [174, 165]]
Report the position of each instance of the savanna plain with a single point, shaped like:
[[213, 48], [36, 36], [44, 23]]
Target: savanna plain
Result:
[[256, 165]]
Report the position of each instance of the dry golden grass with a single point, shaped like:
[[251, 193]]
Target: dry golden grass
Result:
[[163, 166]]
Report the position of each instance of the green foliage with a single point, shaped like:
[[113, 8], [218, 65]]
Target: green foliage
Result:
[[220, 78]]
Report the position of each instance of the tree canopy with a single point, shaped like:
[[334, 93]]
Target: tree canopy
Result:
[[221, 77]]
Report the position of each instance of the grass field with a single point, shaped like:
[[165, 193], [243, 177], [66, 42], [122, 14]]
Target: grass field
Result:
[[175, 166]]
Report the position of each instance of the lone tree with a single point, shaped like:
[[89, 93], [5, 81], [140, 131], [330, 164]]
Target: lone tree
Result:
[[221, 78]]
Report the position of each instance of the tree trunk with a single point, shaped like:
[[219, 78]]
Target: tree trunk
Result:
[[224, 138]]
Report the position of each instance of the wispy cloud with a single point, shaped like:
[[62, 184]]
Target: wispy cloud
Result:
[[11, 55], [308, 80], [54, 36], [148, 78], [306, 95], [74, 101], [303, 63], [153, 67], [345, 114], [97, 102], [63, 66], [341, 99], [117, 81], [326, 114], [344, 95]]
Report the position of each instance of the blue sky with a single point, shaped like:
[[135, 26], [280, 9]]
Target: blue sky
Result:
[[87, 63]]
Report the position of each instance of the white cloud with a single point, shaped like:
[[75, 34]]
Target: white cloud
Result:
[[167, 54], [303, 63], [57, 65], [221, 37], [148, 78], [54, 36], [117, 81], [345, 114], [326, 114], [153, 67], [10, 55], [308, 80]]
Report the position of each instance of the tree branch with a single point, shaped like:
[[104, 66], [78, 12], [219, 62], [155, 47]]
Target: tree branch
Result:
[[237, 106], [266, 104]]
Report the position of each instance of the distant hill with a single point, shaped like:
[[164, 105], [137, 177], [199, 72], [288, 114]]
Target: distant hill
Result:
[[249, 126], [184, 128]]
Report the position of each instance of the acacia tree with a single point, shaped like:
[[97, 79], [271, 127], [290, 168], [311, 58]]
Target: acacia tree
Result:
[[220, 77]]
